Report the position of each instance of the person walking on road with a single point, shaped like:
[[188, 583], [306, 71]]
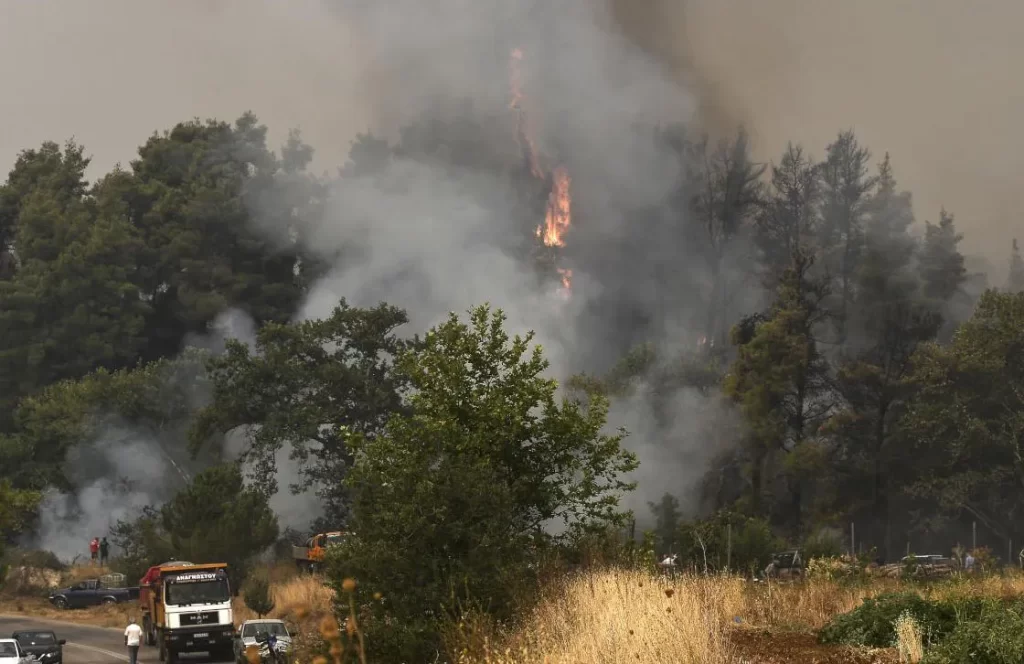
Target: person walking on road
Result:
[[104, 551], [132, 638]]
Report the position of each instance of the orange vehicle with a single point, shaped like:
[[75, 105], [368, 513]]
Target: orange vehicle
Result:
[[186, 608], [310, 558]]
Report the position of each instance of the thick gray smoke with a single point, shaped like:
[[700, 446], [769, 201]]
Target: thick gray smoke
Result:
[[124, 467], [426, 237], [117, 474], [432, 238]]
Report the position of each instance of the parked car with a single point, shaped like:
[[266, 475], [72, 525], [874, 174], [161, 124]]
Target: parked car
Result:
[[92, 592], [11, 653], [246, 636], [41, 644]]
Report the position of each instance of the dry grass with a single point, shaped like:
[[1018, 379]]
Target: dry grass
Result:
[[909, 638], [98, 616], [604, 616], [619, 616], [308, 592]]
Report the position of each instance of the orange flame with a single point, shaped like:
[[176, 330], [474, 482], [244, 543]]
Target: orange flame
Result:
[[559, 213]]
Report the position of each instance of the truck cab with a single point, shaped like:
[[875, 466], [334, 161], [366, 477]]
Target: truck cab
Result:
[[186, 608]]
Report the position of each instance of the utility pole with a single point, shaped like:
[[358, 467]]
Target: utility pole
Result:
[[974, 535], [728, 546], [853, 542]]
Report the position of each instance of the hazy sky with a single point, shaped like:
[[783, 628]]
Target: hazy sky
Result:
[[936, 82]]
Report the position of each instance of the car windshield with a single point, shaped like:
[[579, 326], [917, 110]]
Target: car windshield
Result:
[[275, 628], [8, 649], [36, 638], [201, 592]]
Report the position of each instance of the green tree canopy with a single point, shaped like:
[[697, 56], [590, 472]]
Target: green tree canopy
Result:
[[308, 386], [967, 421], [216, 518], [486, 471]]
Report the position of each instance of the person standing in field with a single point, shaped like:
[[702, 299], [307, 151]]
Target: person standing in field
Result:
[[94, 548], [132, 638], [104, 551]]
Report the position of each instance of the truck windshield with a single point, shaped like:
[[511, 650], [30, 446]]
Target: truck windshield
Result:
[[199, 592]]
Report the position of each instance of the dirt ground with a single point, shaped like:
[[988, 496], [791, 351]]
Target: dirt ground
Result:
[[755, 646]]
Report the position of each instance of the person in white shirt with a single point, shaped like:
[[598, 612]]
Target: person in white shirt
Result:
[[132, 638]]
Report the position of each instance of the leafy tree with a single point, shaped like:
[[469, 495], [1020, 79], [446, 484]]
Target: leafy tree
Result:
[[216, 518], [154, 400], [846, 194], [779, 380], [61, 174], [308, 386], [1015, 282], [458, 494], [965, 423], [198, 195], [257, 595], [72, 304]]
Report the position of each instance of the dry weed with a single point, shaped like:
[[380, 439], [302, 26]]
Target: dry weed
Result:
[[909, 638], [619, 616]]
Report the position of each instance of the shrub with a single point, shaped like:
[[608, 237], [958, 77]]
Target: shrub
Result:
[[872, 623], [994, 637], [831, 569]]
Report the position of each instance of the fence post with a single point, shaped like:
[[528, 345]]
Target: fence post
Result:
[[974, 535], [853, 542]]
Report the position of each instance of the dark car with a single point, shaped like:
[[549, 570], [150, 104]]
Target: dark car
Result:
[[41, 644], [91, 593]]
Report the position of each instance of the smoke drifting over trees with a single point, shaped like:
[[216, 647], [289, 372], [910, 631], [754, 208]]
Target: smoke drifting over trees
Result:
[[753, 308]]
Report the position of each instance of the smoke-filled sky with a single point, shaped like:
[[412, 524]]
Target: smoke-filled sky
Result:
[[936, 82]]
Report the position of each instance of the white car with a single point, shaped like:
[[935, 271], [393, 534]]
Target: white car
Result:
[[246, 636], [11, 653]]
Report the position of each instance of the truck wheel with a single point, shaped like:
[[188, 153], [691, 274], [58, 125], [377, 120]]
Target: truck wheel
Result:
[[60, 603], [147, 629], [109, 601]]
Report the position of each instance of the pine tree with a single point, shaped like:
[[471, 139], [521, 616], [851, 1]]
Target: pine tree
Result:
[[846, 194], [779, 380], [787, 221]]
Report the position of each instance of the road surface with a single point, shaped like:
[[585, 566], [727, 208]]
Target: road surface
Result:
[[89, 645]]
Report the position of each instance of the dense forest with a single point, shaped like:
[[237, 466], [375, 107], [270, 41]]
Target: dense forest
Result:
[[839, 363]]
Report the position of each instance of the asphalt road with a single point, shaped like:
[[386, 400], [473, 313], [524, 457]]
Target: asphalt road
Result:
[[89, 645]]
